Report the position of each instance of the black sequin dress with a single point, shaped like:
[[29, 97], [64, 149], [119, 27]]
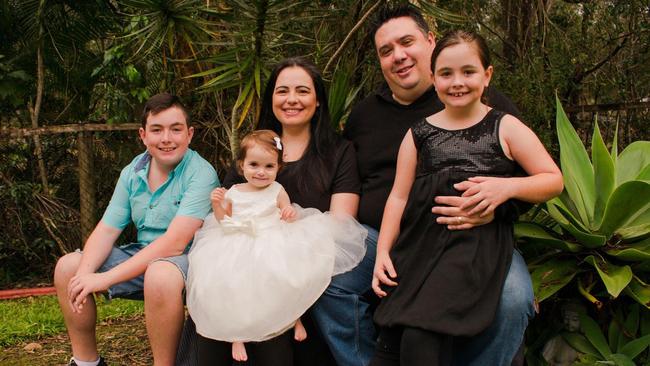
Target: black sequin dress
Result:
[[449, 281]]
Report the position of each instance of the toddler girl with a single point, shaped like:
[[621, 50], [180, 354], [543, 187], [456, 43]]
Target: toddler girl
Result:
[[258, 262]]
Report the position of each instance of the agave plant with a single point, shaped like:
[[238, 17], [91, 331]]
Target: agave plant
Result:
[[625, 340], [597, 232]]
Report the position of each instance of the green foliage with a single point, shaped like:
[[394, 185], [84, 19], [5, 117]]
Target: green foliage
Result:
[[622, 345], [341, 95], [35, 317], [13, 83], [120, 87], [600, 232], [103, 59]]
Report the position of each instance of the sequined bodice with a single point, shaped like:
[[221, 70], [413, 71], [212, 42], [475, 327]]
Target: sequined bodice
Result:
[[473, 150]]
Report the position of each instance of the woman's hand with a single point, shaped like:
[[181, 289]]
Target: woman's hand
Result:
[[383, 273], [453, 215], [486, 195]]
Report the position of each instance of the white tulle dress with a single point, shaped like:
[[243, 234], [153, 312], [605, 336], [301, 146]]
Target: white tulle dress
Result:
[[252, 275]]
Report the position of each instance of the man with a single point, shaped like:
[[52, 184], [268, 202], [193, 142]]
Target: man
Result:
[[377, 125], [165, 193]]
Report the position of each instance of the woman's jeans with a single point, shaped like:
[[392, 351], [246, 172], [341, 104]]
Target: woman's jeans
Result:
[[344, 317]]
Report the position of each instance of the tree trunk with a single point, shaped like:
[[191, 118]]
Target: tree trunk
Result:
[[36, 110]]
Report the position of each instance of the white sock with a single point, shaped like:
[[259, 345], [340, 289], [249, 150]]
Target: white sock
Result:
[[86, 363]]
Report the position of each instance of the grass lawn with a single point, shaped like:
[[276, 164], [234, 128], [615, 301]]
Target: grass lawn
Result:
[[121, 332]]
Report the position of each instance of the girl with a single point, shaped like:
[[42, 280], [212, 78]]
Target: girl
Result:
[[436, 283], [258, 263]]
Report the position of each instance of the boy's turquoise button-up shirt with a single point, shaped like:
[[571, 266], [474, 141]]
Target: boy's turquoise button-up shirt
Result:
[[186, 192]]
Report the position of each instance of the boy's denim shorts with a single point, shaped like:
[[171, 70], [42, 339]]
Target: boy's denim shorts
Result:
[[134, 288]]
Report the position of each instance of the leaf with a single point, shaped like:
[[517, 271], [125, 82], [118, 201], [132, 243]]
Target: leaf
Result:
[[636, 346], [586, 360], [551, 276], [639, 251], [20, 74], [594, 335], [243, 95], [32, 347], [644, 323], [620, 360], [565, 202], [576, 168], [614, 151], [614, 277], [622, 330], [634, 232], [257, 76], [644, 174], [631, 325], [632, 161], [604, 174], [628, 201], [614, 332], [536, 233], [246, 109], [639, 291], [580, 343], [132, 74], [573, 226]]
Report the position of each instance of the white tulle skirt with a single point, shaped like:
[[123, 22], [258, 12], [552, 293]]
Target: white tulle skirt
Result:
[[250, 281]]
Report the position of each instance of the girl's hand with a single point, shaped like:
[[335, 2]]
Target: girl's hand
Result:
[[383, 273], [288, 214], [217, 196], [486, 195]]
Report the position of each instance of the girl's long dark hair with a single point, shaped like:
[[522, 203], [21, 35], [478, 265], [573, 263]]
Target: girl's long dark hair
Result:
[[314, 168]]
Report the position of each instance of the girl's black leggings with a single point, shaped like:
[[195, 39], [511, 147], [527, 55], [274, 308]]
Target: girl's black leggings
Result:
[[412, 347], [274, 352]]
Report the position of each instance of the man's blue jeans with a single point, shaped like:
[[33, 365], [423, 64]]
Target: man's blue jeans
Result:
[[498, 344], [343, 316]]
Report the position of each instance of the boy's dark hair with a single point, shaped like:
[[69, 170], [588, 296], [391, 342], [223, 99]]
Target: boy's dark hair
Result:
[[397, 10], [161, 102]]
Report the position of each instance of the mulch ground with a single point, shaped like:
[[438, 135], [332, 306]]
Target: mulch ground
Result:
[[121, 342]]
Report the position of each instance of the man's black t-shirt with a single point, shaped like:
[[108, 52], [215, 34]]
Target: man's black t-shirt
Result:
[[377, 126]]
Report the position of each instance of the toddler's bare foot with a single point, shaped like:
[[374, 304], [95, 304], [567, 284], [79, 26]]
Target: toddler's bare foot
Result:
[[299, 332], [239, 351]]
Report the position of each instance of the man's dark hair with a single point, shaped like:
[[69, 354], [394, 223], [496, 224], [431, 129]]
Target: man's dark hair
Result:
[[397, 10], [161, 102]]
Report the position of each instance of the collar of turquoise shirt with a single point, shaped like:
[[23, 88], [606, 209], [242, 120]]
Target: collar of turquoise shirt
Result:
[[142, 166]]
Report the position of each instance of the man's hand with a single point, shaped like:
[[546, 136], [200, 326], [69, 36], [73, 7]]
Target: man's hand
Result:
[[81, 286], [453, 215], [383, 273], [288, 214]]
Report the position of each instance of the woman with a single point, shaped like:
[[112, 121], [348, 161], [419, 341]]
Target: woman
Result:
[[320, 168]]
